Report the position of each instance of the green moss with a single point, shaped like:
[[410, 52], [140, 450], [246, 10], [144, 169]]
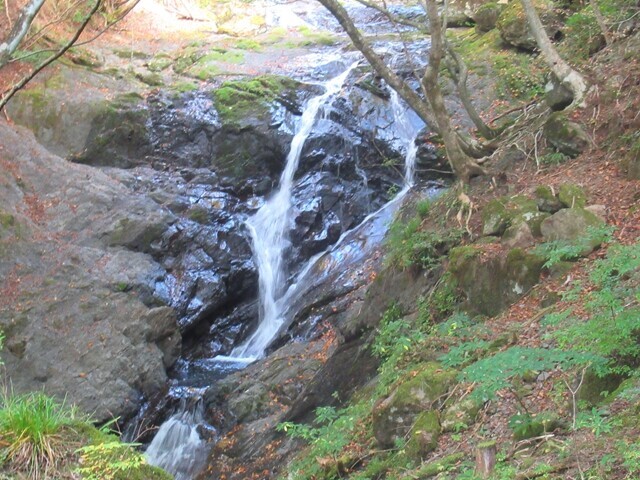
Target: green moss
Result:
[[235, 99], [131, 54], [160, 62], [460, 256], [437, 467], [424, 435], [426, 387], [183, 87], [248, 44], [572, 196], [152, 79], [7, 220], [198, 214]]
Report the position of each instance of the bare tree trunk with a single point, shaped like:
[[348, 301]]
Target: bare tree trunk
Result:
[[19, 30], [601, 22], [561, 69], [462, 164]]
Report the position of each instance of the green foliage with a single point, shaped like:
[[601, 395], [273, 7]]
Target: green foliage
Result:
[[594, 420], [496, 372], [410, 244], [110, 460], [394, 333], [553, 158], [30, 428], [611, 329], [334, 430], [562, 250], [248, 44], [463, 353], [630, 453], [520, 75]]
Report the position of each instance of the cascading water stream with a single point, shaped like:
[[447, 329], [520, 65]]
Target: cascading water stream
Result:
[[268, 228], [177, 446]]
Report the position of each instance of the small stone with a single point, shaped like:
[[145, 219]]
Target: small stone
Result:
[[518, 236]]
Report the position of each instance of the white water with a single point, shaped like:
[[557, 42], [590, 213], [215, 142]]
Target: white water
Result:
[[268, 228], [177, 446]]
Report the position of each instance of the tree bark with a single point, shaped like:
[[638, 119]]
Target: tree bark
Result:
[[462, 164], [19, 30], [434, 115], [561, 69], [486, 458]]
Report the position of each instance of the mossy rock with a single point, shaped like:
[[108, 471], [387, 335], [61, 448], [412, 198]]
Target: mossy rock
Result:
[[491, 283], [531, 426], [572, 196], [160, 62], [495, 218], [394, 416], [566, 136], [460, 413], [572, 225], [547, 201], [152, 79], [595, 389], [424, 435], [500, 213], [487, 16], [436, 467], [236, 99], [514, 28], [198, 214]]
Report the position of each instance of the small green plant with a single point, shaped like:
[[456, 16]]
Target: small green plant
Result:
[[410, 244], [562, 250], [554, 158], [594, 420], [30, 428], [110, 460], [495, 373], [630, 453]]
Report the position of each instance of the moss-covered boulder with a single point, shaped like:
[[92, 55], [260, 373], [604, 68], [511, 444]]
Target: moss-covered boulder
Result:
[[595, 388], [424, 435], [460, 414], [530, 426], [518, 236], [574, 226], [492, 282], [547, 200], [514, 28], [572, 196], [500, 213], [487, 16], [395, 415], [566, 136]]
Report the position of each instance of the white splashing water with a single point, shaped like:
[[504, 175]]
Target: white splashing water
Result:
[[269, 226], [177, 447], [409, 134]]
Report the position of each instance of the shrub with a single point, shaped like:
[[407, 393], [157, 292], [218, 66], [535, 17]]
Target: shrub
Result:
[[31, 427]]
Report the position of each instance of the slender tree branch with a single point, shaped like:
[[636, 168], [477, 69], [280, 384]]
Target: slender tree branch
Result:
[[51, 59]]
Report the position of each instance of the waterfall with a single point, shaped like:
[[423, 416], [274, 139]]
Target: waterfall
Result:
[[409, 134], [268, 229], [177, 446]]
